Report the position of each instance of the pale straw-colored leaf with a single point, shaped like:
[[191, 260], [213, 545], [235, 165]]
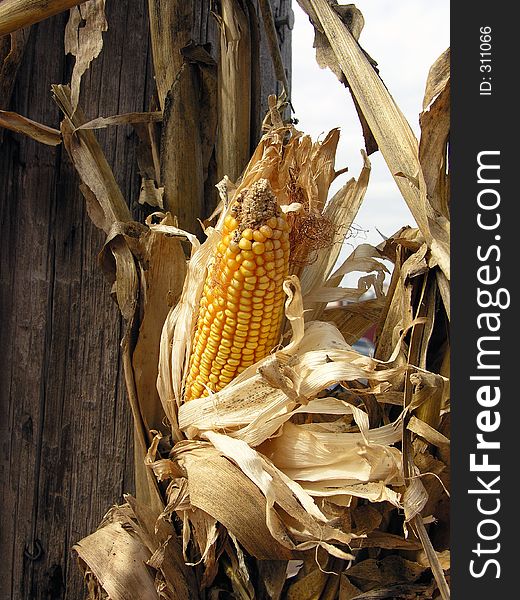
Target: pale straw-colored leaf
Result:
[[234, 92], [16, 14], [123, 119], [118, 561], [341, 211], [36, 131], [84, 40]]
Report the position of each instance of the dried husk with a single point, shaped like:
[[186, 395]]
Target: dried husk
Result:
[[16, 14], [36, 131], [234, 90], [84, 40]]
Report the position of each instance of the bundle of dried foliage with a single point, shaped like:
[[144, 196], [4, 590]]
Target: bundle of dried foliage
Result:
[[318, 472]]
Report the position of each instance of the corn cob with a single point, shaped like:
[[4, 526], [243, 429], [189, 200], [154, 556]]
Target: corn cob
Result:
[[241, 308]]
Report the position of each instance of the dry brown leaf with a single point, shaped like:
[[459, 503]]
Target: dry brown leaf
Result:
[[36, 131], [427, 432], [444, 559], [124, 119], [311, 585], [150, 194], [117, 558], [347, 590], [272, 575], [90, 161], [354, 319], [210, 478], [386, 541], [170, 30], [84, 40], [15, 14], [234, 91], [388, 571], [438, 79], [403, 591], [161, 540]]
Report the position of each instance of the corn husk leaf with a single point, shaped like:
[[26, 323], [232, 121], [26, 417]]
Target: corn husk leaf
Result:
[[234, 92], [173, 576], [123, 119], [117, 559], [16, 14], [90, 162], [150, 194], [341, 211], [84, 40], [36, 131], [353, 319], [210, 476], [391, 570], [132, 556]]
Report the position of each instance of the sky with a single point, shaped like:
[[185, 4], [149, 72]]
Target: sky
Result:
[[405, 37]]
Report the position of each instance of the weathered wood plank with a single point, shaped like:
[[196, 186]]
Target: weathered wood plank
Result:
[[66, 451]]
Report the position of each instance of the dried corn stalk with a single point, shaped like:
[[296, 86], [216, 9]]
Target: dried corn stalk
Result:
[[300, 449]]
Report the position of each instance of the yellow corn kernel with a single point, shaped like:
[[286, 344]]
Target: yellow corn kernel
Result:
[[258, 248], [266, 231], [244, 244], [230, 223]]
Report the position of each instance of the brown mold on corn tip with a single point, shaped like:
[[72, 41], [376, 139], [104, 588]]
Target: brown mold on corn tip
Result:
[[255, 206]]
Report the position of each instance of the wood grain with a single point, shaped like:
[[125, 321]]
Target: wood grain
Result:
[[66, 435]]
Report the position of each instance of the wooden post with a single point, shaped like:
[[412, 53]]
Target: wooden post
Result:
[[65, 427]]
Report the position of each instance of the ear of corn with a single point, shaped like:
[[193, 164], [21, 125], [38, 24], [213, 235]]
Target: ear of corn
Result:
[[241, 308]]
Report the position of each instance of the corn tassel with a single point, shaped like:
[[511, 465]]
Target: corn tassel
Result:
[[241, 308]]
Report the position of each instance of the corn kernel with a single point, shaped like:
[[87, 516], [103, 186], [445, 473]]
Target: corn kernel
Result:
[[245, 244], [258, 236], [266, 231], [258, 248]]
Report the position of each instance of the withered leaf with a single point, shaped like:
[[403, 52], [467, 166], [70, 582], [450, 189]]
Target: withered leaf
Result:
[[84, 39], [36, 131]]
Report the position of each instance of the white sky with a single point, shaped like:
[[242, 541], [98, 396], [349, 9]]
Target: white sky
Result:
[[405, 37]]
